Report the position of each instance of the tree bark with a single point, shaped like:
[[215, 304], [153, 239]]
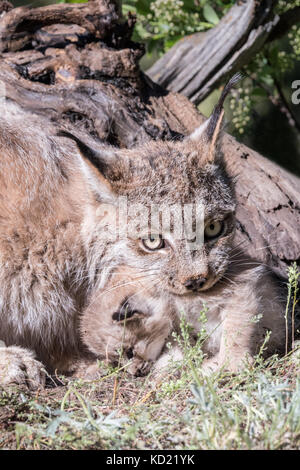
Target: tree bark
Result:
[[75, 64]]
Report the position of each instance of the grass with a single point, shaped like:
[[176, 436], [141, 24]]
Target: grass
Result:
[[259, 408], [256, 409]]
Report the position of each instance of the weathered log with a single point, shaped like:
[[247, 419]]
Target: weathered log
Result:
[[19, 25], [84, 76], [198, 63]]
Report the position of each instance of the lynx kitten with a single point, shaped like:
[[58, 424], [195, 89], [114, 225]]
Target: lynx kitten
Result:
[[56, 259]]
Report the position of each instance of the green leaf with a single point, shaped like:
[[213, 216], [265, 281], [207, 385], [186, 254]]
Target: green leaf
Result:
[[210, 14], [142, 33], [143, 7], [153, 46], [128, 8], [170, 42], [268, 80], [190, 6], [259, 92]]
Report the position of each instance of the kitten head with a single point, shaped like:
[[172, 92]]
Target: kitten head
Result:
[[124, 324], [164, 185]]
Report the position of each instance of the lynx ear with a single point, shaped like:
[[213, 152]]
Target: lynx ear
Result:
[[96, 160], [100, 155], [209, 131]]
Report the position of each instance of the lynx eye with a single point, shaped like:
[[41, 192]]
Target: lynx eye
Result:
[[153, 243], [213, 229]]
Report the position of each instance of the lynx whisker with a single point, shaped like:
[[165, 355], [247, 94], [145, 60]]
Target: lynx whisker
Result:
[[225, 278], [248, 243], [146, 289], [118, 286]]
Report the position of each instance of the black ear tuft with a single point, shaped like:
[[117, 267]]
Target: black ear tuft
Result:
[[215, 117]]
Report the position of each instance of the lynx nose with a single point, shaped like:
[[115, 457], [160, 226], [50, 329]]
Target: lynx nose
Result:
[[195, 284]]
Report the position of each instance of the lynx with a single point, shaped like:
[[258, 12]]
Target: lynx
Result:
[[136, 332], [61, 291]]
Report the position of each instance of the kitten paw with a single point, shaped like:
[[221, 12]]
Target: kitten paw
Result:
[[210, 366], [139, 368], [19, 367], [233, 366]]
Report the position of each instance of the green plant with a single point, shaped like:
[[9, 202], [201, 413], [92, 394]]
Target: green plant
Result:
[[163, 22], [265, 76], [259, 408], [293, 281]]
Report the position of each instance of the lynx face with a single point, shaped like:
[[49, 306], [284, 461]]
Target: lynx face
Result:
[[177, 175], [132, 308], [174, 179], [170, 177]]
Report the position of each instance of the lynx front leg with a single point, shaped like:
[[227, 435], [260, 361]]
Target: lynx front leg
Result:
[[18, 366], [236, 345], [167, 359]]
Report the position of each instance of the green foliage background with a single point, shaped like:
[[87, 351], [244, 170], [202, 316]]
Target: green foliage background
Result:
[[161, 23]]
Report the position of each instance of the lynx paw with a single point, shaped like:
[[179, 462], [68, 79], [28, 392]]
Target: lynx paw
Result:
[[18, 366], [210, 365], [234, 365], [139, 368]]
